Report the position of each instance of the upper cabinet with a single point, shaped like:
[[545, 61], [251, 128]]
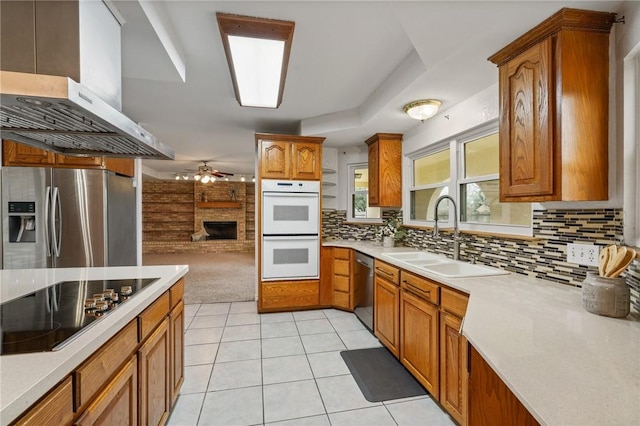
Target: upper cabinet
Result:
[[16, 154], [554, 97], [385, 169], [289, 157]]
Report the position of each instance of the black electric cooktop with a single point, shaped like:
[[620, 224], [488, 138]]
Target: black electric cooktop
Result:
[[47, 319]]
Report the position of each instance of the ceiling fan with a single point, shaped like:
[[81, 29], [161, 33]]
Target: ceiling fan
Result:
[[206, 173]]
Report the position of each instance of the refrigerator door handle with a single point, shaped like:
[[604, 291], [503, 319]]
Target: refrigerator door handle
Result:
[[47, 214], [56, 220]]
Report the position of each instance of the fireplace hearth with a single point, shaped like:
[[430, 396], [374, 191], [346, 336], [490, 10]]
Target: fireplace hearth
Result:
[[221, 230]]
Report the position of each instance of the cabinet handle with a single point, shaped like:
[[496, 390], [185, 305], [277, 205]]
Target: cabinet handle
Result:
[[412, 287], [389, 274]]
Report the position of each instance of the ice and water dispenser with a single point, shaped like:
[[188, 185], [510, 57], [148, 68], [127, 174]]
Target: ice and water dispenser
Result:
[[22, 222]]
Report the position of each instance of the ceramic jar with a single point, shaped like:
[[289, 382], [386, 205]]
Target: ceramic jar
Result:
[[387, 241], [606, 296]]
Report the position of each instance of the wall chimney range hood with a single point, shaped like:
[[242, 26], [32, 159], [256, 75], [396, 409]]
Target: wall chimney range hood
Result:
[[58, 114], [60, 80]]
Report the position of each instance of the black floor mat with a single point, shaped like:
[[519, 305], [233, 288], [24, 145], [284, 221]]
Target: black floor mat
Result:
[[380, 375]]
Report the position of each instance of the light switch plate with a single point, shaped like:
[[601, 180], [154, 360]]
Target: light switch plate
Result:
[[583, 254]]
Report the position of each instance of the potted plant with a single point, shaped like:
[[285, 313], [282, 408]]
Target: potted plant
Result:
[[392, 231]]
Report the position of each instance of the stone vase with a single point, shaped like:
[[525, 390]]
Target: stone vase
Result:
[[387, 241]]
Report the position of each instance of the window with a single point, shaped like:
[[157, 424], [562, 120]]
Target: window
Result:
[[632, 147], [467, 169], [358, 204]]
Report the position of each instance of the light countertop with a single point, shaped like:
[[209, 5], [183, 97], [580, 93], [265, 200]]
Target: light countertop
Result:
[[566, 365], [25, 378]]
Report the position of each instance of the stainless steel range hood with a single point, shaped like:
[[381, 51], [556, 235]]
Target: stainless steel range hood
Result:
[[60, 80], [58, 114]]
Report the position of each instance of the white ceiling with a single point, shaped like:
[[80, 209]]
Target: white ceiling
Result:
[[353, 66]]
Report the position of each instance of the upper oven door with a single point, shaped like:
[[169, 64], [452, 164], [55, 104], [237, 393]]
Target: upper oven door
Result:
[[290, 213]]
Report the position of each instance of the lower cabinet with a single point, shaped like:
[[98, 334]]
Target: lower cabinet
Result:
[[282, 295], [343, 296], [56, 408], [117, 404], [386, 319], [419, 340], [491, 403], [154, 377], [176, 343], [453, 367]]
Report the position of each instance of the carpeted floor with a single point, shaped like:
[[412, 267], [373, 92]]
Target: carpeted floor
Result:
[[213, 277]]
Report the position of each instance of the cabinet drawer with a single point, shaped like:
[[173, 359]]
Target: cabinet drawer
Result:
[[341, 283], [153, 315], [341, 253], [421, 287], [386, 271], [341, 267], [341, 300], [94, 373], [290, 294], [177, 293], [454, 302], [55, 409]]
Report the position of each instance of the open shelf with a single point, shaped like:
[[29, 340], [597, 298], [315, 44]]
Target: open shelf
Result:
[[328, 171], [218, 204]]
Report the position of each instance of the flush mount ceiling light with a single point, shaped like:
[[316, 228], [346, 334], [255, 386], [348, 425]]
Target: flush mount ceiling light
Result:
[[422, 109], [257, 52]]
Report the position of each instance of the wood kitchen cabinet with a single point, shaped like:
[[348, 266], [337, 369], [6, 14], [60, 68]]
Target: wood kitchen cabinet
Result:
[[16, 154], [385, 169], [343, 294], [453, 355], [117, 404], [55, 408], [285, 295], [386, 301], [154, 399], [491, 403], [419, 330], [554, 97], [289, 157], [176, 344]]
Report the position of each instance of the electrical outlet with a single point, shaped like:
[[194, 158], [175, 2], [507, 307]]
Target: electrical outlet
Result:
[[583, 254]]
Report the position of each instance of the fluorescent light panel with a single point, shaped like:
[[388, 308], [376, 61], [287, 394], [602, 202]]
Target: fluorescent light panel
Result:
[[257, 64], [257, 52]]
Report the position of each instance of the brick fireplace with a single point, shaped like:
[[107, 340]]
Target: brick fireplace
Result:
[[173, 210]]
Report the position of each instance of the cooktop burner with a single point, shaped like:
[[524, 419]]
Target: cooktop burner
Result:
[[47, 319]]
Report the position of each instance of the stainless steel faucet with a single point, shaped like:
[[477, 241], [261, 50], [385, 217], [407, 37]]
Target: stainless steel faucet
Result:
[[456, 233]]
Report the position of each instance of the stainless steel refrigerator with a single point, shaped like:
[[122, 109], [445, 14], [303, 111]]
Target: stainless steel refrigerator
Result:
[[57, 218]]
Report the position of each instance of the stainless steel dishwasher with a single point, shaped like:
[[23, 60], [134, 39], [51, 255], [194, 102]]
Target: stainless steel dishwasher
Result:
[[363, 277]]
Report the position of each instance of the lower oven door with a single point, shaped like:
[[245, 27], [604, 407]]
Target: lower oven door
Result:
[[290, 257]]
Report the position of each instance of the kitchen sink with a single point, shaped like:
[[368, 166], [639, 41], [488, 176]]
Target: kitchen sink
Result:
[[410, 256], [442, 266], [456, 269]]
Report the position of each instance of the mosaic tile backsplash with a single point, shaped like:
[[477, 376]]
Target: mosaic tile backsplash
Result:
[[542, 257]]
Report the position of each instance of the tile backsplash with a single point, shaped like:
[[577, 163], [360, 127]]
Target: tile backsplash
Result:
[[543, 256]]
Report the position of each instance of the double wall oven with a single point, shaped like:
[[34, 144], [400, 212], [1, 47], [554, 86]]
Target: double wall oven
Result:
[[290, 229]]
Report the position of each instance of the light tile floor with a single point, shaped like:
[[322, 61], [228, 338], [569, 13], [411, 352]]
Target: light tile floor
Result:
[[242, 368]]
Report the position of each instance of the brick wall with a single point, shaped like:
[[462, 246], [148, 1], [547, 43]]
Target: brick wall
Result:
[[170, 215]]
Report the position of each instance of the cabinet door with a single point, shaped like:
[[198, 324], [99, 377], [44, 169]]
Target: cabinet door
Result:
[[79, 162], [386, 314], [275, 159], [18, 154], [56, 408], [419, 340], [117, 404], [121, 166], [307, 161], [176, 327], [326, 276], [527, 156], [373, 166], [453, 367], [153, 371], [491, 403]]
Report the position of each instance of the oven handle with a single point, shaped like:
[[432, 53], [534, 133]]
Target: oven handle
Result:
[[289, 237], [291, 194]]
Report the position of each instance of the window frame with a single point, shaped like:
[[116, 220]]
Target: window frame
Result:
[[631, 137], [351, 168], [456, 146]]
